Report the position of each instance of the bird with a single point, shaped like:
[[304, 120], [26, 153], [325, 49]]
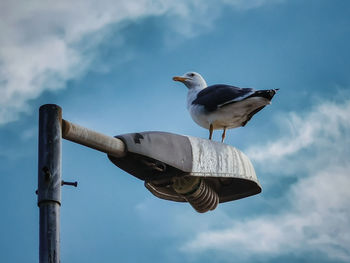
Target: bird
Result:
[[222, 106]]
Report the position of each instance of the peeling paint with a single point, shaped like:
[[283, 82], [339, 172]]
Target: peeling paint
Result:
[[215, 159]]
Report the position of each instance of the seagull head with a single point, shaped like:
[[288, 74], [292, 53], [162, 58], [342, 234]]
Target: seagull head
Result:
[[192, 80]]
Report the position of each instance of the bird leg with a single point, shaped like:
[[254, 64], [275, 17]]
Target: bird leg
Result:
[[211, 128], [223, 135]]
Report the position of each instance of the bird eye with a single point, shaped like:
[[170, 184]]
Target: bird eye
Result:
[[191, 74]]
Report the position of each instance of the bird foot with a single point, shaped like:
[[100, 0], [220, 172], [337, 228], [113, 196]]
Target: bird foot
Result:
[[211, 129]]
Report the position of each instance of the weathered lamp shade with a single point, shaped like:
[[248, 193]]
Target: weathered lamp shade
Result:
[[188, 169]]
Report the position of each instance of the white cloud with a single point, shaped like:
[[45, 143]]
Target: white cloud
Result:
[[325, 122], [249, 4], [316, 216], [40, 46], [318, 222], [44, 44]]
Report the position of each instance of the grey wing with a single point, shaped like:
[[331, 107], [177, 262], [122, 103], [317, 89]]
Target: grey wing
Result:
[[216, 96]]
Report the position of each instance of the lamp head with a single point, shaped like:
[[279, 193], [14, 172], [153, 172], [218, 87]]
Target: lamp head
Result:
[[188, 169]]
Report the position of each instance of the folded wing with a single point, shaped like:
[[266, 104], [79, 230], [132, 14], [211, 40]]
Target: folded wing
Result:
[[217, 96]]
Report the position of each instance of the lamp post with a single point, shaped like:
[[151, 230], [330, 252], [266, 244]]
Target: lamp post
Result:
[[49, 182], [173, 167]]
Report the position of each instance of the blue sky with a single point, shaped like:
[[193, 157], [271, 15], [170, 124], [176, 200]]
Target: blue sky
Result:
[[109, 65]]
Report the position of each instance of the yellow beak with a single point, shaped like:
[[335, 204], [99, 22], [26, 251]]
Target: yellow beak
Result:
[[181, 79]]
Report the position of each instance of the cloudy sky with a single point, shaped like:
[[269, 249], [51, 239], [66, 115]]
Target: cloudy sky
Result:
[[109, 65]]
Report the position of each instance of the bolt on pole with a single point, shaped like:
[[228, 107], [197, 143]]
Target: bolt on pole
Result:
[[49, 182]]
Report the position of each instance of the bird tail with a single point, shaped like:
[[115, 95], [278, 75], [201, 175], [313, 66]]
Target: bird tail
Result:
[[267, 94]]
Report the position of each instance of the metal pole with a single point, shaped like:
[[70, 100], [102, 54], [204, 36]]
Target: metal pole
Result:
[[95, 140], [49, 182]]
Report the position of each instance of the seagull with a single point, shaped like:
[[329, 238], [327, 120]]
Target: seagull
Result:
[[222, 106]]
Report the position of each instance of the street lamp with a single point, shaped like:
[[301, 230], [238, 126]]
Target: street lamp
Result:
[[173, 167], [188, 169]]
